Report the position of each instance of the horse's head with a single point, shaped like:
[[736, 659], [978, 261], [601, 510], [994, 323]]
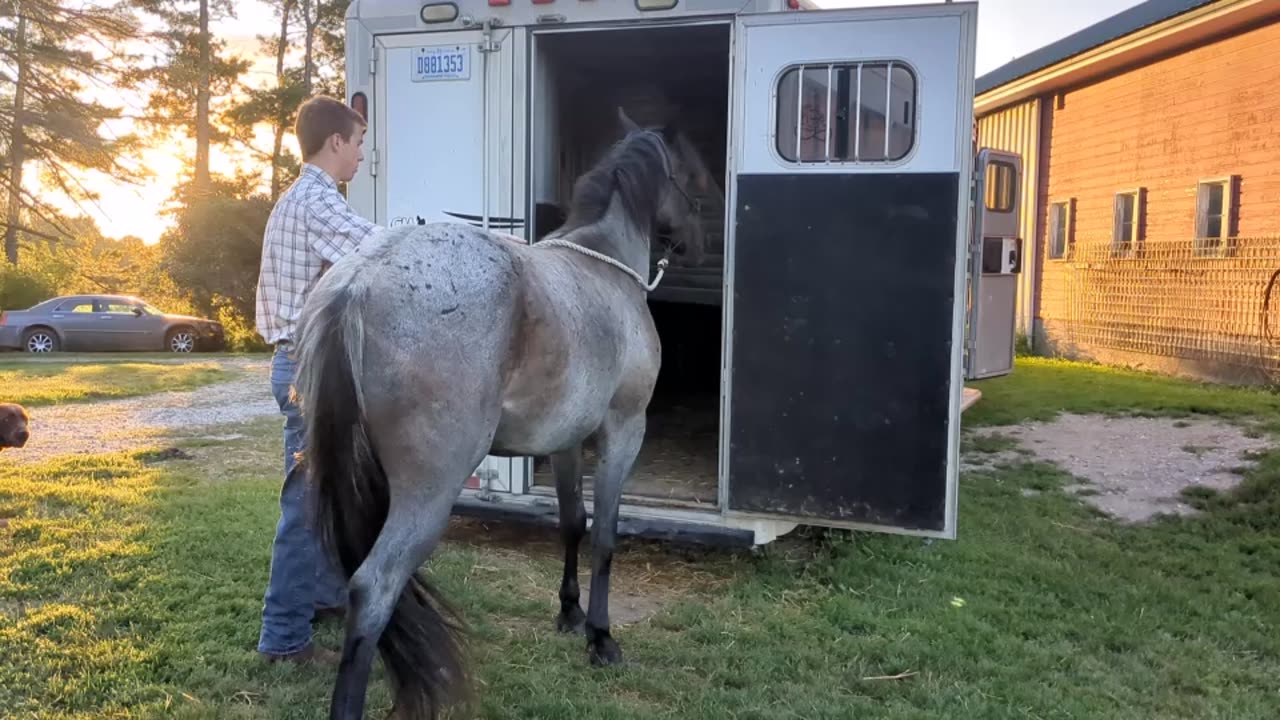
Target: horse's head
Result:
[[679, 216]]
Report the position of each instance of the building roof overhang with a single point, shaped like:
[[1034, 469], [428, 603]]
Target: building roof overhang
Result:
[[1143, 45]]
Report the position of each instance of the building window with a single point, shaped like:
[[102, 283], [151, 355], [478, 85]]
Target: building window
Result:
[[846, 112], [1127, 221], [1061, 221], [1000, 186], [1215, 212]]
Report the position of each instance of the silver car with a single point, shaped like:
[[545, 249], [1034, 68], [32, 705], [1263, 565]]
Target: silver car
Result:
[[105, 323]]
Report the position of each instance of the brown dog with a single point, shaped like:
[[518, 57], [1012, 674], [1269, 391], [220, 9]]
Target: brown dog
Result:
[[13, 426]]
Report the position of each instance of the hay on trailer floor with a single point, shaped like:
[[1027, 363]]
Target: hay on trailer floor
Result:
[[678, 461]]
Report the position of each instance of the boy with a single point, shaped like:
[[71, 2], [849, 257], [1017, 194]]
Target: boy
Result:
[[310, 228]]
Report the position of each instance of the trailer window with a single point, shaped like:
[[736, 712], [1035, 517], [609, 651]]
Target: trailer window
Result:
[[846, 112]]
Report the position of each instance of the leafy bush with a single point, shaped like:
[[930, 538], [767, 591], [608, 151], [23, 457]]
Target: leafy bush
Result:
[[21, 287], [240, 332]]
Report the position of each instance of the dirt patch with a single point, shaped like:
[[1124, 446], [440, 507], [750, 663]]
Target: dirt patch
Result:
[[645, 577], [165, 455], [1131, 468]]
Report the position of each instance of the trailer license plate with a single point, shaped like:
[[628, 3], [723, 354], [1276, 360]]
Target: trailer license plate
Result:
[[441, 63]]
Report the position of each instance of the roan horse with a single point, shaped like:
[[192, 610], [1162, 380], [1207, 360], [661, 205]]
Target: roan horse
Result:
[[436, 344]]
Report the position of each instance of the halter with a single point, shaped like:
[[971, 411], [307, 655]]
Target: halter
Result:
[[694, 205]]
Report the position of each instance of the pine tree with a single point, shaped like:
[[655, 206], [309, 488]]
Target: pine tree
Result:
[[316, 28], [192, 71], [53, 55]]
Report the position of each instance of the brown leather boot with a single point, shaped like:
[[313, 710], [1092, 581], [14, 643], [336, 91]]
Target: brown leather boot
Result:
[[309, 655]]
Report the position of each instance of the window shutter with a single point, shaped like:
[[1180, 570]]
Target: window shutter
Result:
[[1071, 225], [1202, 210], [1117, 220], [1139, 216], [1230, 206], [1055, 231]]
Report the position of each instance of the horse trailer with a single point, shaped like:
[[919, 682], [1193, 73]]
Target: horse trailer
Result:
[[814, 357]]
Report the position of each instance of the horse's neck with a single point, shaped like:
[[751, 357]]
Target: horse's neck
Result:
[[616, 235]]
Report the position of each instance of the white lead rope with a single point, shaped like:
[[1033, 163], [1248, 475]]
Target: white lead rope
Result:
[[557, 242]]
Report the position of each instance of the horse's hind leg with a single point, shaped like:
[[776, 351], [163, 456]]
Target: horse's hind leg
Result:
[[425, 663], [619, 444], [567, 467]]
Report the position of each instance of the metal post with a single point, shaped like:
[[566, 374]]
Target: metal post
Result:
[[888, 103]]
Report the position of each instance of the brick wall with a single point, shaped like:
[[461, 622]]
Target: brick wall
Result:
[[1205, 113]]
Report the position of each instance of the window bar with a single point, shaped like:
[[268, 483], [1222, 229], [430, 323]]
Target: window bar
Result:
[[856, 117], [799, 111], [826, 112], [888, 105]]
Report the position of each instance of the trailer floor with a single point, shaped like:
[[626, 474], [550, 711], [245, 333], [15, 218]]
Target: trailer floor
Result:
[[680, 456], [678, 461]]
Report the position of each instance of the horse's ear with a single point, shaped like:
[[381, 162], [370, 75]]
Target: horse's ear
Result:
[[628, 125]]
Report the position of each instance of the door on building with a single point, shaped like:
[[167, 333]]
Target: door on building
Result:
[[995, 261]]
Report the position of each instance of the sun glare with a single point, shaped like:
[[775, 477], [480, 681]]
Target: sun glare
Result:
[[122, 209]]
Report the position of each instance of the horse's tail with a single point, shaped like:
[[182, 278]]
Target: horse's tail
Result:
[[420, 645]]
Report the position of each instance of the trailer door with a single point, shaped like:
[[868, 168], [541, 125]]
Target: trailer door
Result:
[[846, 273], [447, 150]]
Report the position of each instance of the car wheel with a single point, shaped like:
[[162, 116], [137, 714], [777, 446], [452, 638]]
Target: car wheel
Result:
[[40, 340], [182, 341]]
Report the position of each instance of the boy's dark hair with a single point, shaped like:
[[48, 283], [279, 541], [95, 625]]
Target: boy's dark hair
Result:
[[321, 117]]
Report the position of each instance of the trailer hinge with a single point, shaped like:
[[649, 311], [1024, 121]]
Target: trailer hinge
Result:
[[373, 61], [487, 42], [485, 492], [373, 162]]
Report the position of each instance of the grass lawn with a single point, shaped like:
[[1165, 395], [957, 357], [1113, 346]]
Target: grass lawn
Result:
[[48, 383], [132, 586]]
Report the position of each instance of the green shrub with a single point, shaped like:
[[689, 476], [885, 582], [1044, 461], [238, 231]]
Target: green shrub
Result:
[[240, 332], [21, 287]]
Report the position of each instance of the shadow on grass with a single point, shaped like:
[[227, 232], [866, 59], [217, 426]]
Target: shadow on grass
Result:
[[1040, 388]]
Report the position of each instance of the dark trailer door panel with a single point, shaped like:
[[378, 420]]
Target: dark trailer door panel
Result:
[[847, 266]]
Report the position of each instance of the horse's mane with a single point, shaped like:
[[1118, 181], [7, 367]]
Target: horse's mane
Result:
[[635, 167]]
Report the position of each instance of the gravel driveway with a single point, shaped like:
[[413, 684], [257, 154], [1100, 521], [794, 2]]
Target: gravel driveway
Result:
[[1132, 468], [140, 423]]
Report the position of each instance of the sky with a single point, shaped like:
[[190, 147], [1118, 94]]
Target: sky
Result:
[[1006, 29], [1010, 28]]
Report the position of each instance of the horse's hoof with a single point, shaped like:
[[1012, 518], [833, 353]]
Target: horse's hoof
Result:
[[605, 652], [573, 622]]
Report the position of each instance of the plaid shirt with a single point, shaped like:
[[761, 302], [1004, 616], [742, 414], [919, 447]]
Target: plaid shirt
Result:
[[310, 228]]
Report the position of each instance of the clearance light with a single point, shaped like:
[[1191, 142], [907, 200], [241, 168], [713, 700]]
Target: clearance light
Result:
[[360, 103], [439, 12], [656, 4], [500, 2]]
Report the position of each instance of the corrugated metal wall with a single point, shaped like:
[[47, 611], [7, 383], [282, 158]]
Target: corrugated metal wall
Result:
[[1016, 129]]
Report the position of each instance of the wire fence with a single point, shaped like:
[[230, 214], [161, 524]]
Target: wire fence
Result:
[[1172, 298]]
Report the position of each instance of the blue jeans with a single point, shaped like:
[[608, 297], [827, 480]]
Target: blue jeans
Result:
[[302, 579]]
